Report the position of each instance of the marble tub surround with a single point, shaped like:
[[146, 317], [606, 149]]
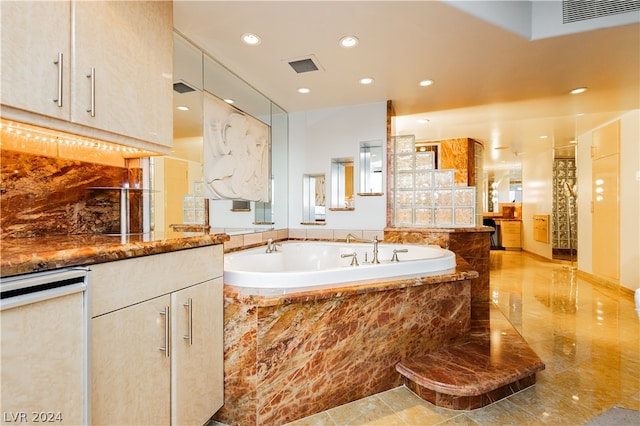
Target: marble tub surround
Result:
[[287, 357], [44, 195], [473, 244], [26, 255], [496, 362]]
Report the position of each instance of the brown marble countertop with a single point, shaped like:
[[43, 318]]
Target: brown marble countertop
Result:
[[26, 255]]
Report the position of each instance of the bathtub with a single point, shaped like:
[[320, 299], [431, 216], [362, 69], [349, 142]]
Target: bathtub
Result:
[[299, 266]]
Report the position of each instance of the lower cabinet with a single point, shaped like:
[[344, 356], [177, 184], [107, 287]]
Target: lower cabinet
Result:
[[196, 363], [131, 377], [510, 233], [157, 361]]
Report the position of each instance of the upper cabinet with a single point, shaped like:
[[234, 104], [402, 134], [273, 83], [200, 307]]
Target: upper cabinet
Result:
[[115, 78], [606, 140], [122, 68], [36, 47]]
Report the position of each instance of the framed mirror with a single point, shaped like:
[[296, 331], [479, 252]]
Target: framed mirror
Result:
[[313, 199], [342, 194], [371, 160]]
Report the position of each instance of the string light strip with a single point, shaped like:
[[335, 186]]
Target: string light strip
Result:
[[37, 134]]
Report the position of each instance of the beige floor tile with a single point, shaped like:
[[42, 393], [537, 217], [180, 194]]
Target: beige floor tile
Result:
[[412, 409], [367, 411], [320, 419]]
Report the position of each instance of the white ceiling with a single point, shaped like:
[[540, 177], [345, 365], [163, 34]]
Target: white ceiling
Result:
[[490, 83]]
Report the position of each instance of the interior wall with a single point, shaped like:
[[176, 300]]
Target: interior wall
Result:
[[537, 190], [315, 137]]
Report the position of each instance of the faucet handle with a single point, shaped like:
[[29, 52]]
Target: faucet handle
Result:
[[353, 256], [394, 258]]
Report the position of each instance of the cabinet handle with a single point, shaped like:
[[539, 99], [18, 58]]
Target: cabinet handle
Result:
[[59, 63], [92, 77], [189, 335], [167, 331]]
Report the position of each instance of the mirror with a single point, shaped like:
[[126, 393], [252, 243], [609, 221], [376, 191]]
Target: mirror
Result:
[[313, 199], [342, 184], [371, 168], [500, 187], [194, 73]]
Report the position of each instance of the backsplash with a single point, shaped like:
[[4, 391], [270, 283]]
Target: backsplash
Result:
[[52, 196]]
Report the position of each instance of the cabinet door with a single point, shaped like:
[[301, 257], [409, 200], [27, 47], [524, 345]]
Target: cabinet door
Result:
[[129, 47], [42, 361], [605, 219], [130, 373], [197, 359], [606, 140], [34, 33]]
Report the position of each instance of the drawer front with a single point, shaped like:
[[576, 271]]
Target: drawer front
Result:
[[122, 283], [511, 241], [510, 227]]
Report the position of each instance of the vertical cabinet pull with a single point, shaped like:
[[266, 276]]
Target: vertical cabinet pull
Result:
[[167, 331], [59, 63], [189, 335], [92, 77]]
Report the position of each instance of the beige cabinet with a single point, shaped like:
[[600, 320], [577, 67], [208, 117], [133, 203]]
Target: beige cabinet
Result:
[[157, 355], [123, 62], [130, 375], [606, 141], [36, 47], [42, 362], [113, 82], [196, 359], [510, 234]]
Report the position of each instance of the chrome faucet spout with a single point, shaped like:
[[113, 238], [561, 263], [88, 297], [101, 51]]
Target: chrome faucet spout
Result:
[[272, 247], [375, 250], [375, 241]]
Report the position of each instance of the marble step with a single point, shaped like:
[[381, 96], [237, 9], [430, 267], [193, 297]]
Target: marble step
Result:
[[496, 362]]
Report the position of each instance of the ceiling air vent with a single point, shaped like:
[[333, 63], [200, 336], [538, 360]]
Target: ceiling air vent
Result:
[[182, 87], [306, 64], [580, 10]]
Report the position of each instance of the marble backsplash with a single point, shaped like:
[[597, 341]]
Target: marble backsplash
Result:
[[51, 196]]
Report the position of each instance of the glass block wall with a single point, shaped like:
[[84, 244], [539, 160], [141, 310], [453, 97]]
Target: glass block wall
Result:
[[565, 216], [424, 196], [193, 205]]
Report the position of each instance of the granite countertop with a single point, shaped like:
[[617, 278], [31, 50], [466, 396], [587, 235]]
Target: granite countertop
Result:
[[26, 255]]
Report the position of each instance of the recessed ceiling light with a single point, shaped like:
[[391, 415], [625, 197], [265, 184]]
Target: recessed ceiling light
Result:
[[304, 90], [366, 80], [425, 83], [543, 136], [349, 41], [250, 39], [229, 100], [578, 90], [182, 108]]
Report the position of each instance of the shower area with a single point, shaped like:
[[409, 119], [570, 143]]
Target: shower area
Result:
[[565, 218]]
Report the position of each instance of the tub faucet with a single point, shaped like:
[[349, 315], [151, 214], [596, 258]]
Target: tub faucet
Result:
[[271, 246], [351, 237]]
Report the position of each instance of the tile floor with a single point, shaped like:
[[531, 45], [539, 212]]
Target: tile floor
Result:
[[587, 335]]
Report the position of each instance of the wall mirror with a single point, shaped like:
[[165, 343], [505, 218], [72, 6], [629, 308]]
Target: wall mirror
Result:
[[313, 199], [371, 158], [501, 186], [181, 174], [342, 184]]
